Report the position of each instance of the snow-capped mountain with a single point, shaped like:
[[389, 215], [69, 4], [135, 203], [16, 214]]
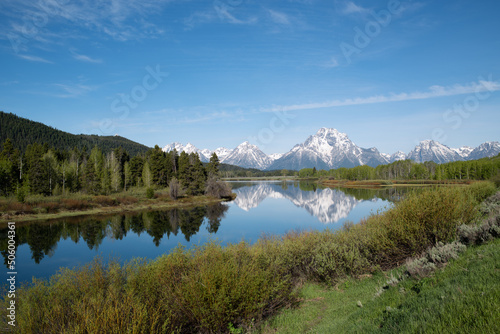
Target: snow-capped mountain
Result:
[[276, 156], [399, 155], [189, 148], [430, 150], [488, 149], [328, 148], [222, 153], [248, 156], [463, 151]]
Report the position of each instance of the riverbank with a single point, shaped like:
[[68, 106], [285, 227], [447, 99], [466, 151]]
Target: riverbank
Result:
[[460, 297], [55, 207], [392, 183], [211, 288]]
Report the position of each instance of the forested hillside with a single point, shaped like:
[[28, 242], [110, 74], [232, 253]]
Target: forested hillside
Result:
[[24, 132]]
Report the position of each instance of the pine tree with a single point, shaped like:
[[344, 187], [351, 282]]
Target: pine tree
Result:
[[213, 166]]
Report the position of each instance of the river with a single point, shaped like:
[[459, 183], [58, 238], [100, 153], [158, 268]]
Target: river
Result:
[[259, 208]]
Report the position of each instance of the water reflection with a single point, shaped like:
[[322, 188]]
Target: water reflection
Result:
[[43, 237], [43, 247], [327, 204]]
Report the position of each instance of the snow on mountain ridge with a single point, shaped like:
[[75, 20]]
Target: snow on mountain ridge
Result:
[[329, 148], [248, 156]]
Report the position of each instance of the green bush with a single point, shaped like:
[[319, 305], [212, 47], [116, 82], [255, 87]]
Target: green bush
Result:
[[202, 290], [482, 190], [150, 193]]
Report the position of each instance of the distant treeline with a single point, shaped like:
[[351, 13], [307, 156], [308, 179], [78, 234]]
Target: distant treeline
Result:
[[24, 132], [49, 171], [482, 169]]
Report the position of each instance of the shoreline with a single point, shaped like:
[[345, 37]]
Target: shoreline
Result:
[[141, 205]]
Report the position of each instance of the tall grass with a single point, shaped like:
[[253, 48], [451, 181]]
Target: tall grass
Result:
[[211, 288]]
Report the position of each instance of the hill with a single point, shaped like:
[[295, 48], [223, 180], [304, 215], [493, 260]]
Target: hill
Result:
[[23, 132]]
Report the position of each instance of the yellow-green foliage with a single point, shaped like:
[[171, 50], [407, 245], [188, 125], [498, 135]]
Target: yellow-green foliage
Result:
[[211, 288], [201, 290]]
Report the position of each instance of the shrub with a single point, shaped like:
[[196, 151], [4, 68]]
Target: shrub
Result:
[[202, 290], [175, 190], [104, 200], [478, 234], [433, 258], [21, 194], [50, 207], [75, 204], [150, 193], [482, 190], [126, 200], [218, 189]]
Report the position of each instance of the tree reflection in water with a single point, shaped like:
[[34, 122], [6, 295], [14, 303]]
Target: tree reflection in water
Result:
[[42, 237]]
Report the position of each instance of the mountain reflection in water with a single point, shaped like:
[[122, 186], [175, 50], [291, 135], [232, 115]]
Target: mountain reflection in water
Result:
[[260, 208], [328, 205]]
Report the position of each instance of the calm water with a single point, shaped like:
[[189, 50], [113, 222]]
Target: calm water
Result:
[[262, 207]]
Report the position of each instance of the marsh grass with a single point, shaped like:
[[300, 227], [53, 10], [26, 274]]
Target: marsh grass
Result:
[[210, 288]]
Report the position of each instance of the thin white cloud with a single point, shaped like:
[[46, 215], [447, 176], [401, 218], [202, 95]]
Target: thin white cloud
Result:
[[84, 58], [351, 8], [433, 92], [35, 59], [219, 11], [72, 91], [120, 19], [278, 17], [333, 62]]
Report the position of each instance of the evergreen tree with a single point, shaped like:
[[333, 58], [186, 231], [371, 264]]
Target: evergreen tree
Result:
[[35, 175], [213, 166], [199, 175]]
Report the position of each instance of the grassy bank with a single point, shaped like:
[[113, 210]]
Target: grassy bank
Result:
[[213, 289], [464, 297], [38, 207], [391, 183]]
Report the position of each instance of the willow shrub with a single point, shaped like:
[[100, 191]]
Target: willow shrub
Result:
[[201, 290]]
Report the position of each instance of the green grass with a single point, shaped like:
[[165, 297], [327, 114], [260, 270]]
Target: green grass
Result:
[[464, 297]]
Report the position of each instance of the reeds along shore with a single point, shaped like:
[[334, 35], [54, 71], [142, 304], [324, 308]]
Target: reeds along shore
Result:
[[211, 288]]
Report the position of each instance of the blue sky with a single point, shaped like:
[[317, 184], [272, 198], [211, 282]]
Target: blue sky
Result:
[[217, 73]]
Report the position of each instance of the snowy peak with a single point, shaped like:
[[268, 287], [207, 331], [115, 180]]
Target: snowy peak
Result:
[[222, 153], [399, 155], [463, 151], [430, 150], [275, 156], [248, 156], [488, 149], [328, 148], [189, 148]]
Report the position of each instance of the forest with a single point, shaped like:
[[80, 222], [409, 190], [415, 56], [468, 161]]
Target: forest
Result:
[[49, 171], [481, 169], [24, 132]]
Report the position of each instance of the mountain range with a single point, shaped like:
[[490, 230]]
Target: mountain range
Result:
[[329, 149]]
